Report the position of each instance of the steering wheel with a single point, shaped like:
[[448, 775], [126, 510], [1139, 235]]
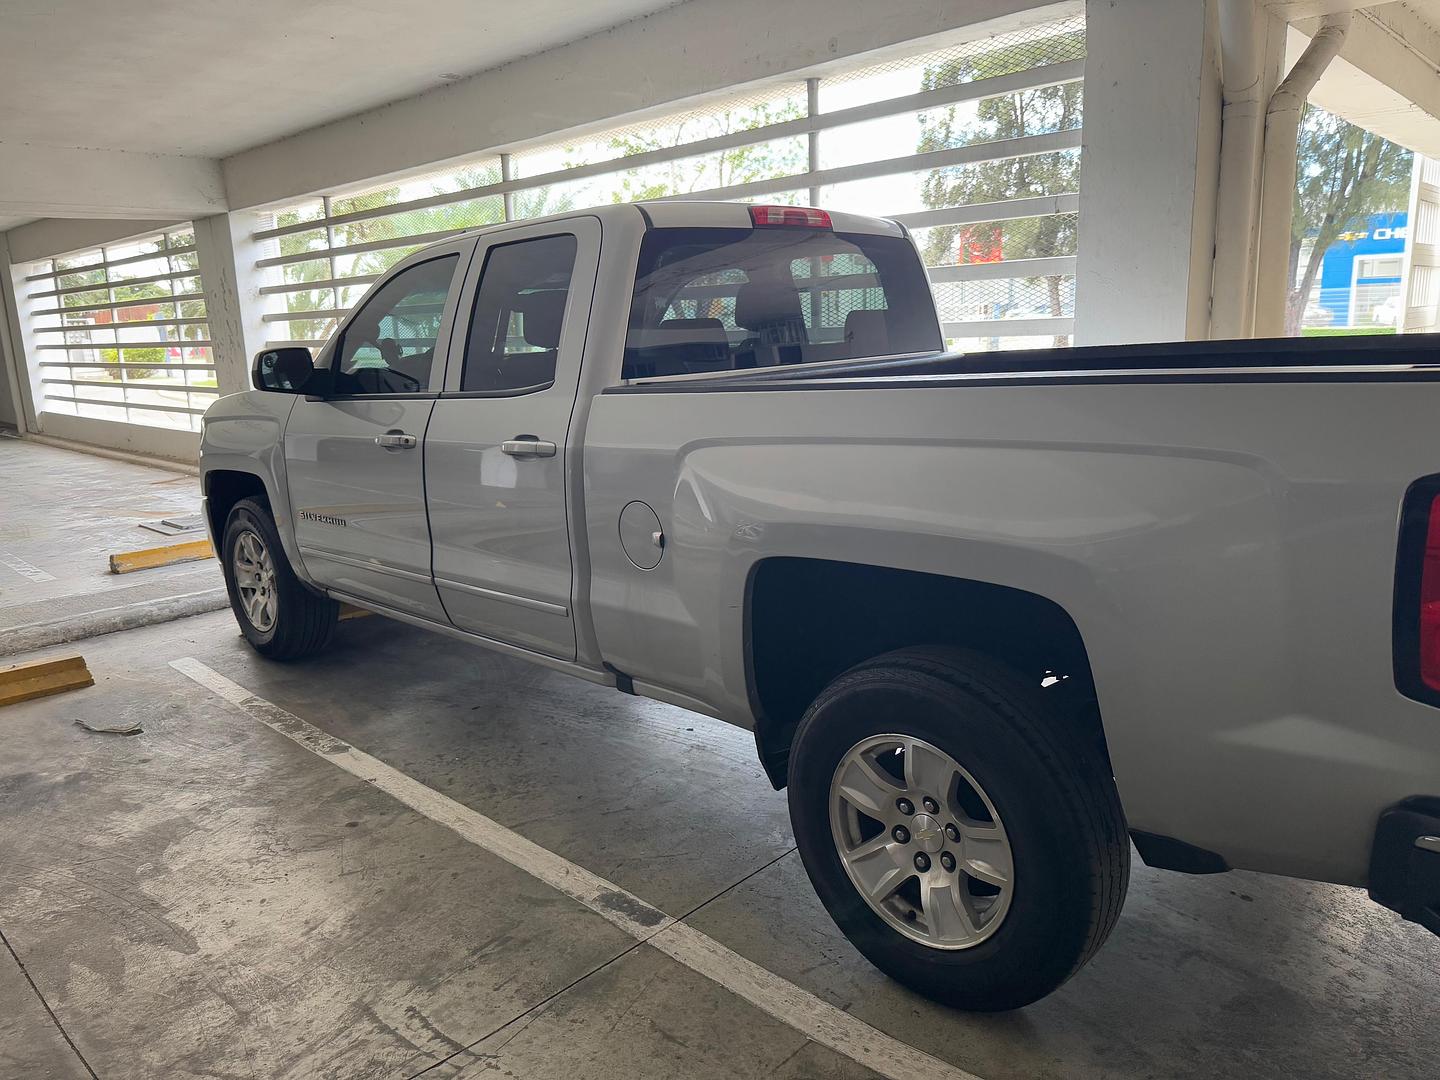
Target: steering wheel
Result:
[[390, 353]]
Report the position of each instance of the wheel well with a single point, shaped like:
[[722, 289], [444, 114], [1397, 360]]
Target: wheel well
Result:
[[223, 489], [809, 620]]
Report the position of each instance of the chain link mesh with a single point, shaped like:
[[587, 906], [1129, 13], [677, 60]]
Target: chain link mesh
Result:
[[1006, 298], [997, 241], [740, 112], [982, 58], [479, 172]]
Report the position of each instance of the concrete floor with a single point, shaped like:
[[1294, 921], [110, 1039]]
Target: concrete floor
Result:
[[209, 899], [62, 514]]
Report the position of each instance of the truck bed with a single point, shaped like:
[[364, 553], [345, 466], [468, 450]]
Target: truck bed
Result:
[[1369, 358], [1219, 521]]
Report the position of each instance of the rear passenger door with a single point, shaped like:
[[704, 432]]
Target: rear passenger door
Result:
[[498, 465]]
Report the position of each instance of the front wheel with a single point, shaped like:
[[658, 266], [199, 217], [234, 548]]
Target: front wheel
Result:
[[279, 616], [966, 840]]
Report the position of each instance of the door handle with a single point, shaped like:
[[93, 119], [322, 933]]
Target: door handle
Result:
[[527, 446], [397, 440]]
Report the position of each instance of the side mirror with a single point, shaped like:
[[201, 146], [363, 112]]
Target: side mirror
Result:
[[290, 370]]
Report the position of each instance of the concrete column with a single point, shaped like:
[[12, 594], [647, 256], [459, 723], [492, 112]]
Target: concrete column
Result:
[[1149, 171], [1252, 54], [233, 302], [12, 363], [16, 341], [9, 415]]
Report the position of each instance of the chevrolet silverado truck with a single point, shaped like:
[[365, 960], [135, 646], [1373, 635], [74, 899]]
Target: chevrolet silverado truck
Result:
[[991, 618]]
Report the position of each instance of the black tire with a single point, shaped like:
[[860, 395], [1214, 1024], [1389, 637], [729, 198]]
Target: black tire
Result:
[[304, 620], [1053, 791]]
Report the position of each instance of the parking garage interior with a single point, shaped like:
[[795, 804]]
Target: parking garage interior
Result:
[[408, 856]]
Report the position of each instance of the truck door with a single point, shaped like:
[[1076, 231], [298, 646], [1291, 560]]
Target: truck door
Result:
[[497, 461], [354, 458]]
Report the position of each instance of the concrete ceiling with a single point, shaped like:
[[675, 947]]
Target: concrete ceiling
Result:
[[1387, 77], [1293, 10], [211, 77]]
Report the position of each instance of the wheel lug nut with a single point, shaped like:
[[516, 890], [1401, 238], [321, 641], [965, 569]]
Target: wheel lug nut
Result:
[[905, 806], [931, 806], [952, 834], [922, 861], [901, 834], [947, 860]]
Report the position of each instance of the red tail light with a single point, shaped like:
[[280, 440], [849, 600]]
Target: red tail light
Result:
[[805, 217], [1417, 594], [1430, 600]]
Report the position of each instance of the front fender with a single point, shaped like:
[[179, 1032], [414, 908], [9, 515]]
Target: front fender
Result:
[[245, 433]]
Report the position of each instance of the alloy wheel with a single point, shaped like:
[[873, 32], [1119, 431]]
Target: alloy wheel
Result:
[[255, 580], [921, 841]]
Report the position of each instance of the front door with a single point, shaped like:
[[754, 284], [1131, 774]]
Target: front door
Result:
[[354, 459], [497, 464]]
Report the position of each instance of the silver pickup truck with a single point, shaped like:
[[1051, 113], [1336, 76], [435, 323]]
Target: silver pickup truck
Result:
[[990, 618]]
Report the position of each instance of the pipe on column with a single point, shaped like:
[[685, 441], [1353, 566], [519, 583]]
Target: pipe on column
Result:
[[1277, 185], [1244, 60]]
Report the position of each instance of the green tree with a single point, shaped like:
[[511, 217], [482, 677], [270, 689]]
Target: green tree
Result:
[[1343, 175], [540, 201], [735, 166], [738, 165], [1028, 112], [429, 219], [318, 269], [144, 300], [470, 214]]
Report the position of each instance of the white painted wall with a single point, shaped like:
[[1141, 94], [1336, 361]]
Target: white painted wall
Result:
[[14, 346], [11, 363], [1149, 171], [140, 439], [60, 236], [9, 384], [53, 181], [1420, 281], [8, 415], [233, 303]]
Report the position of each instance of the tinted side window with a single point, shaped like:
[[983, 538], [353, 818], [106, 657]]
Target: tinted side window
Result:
[[519, 313], [389, 347]]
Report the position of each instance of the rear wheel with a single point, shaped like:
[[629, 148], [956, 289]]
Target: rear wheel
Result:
[[963, 836], [279, 616]]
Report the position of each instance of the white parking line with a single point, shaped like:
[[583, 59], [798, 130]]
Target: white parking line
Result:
[[23, 568], [817, 1020]]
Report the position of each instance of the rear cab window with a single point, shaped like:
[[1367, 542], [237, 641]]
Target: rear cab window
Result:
[[728, 299]]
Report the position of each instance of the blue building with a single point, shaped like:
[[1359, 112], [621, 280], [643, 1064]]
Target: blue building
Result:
[[1359, 284]]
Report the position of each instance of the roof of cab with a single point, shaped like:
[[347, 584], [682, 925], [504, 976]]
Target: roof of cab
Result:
[[693, 213]]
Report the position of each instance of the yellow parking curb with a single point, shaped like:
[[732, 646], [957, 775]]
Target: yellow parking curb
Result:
[[350, 611], [127, 561], [38, 678]]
